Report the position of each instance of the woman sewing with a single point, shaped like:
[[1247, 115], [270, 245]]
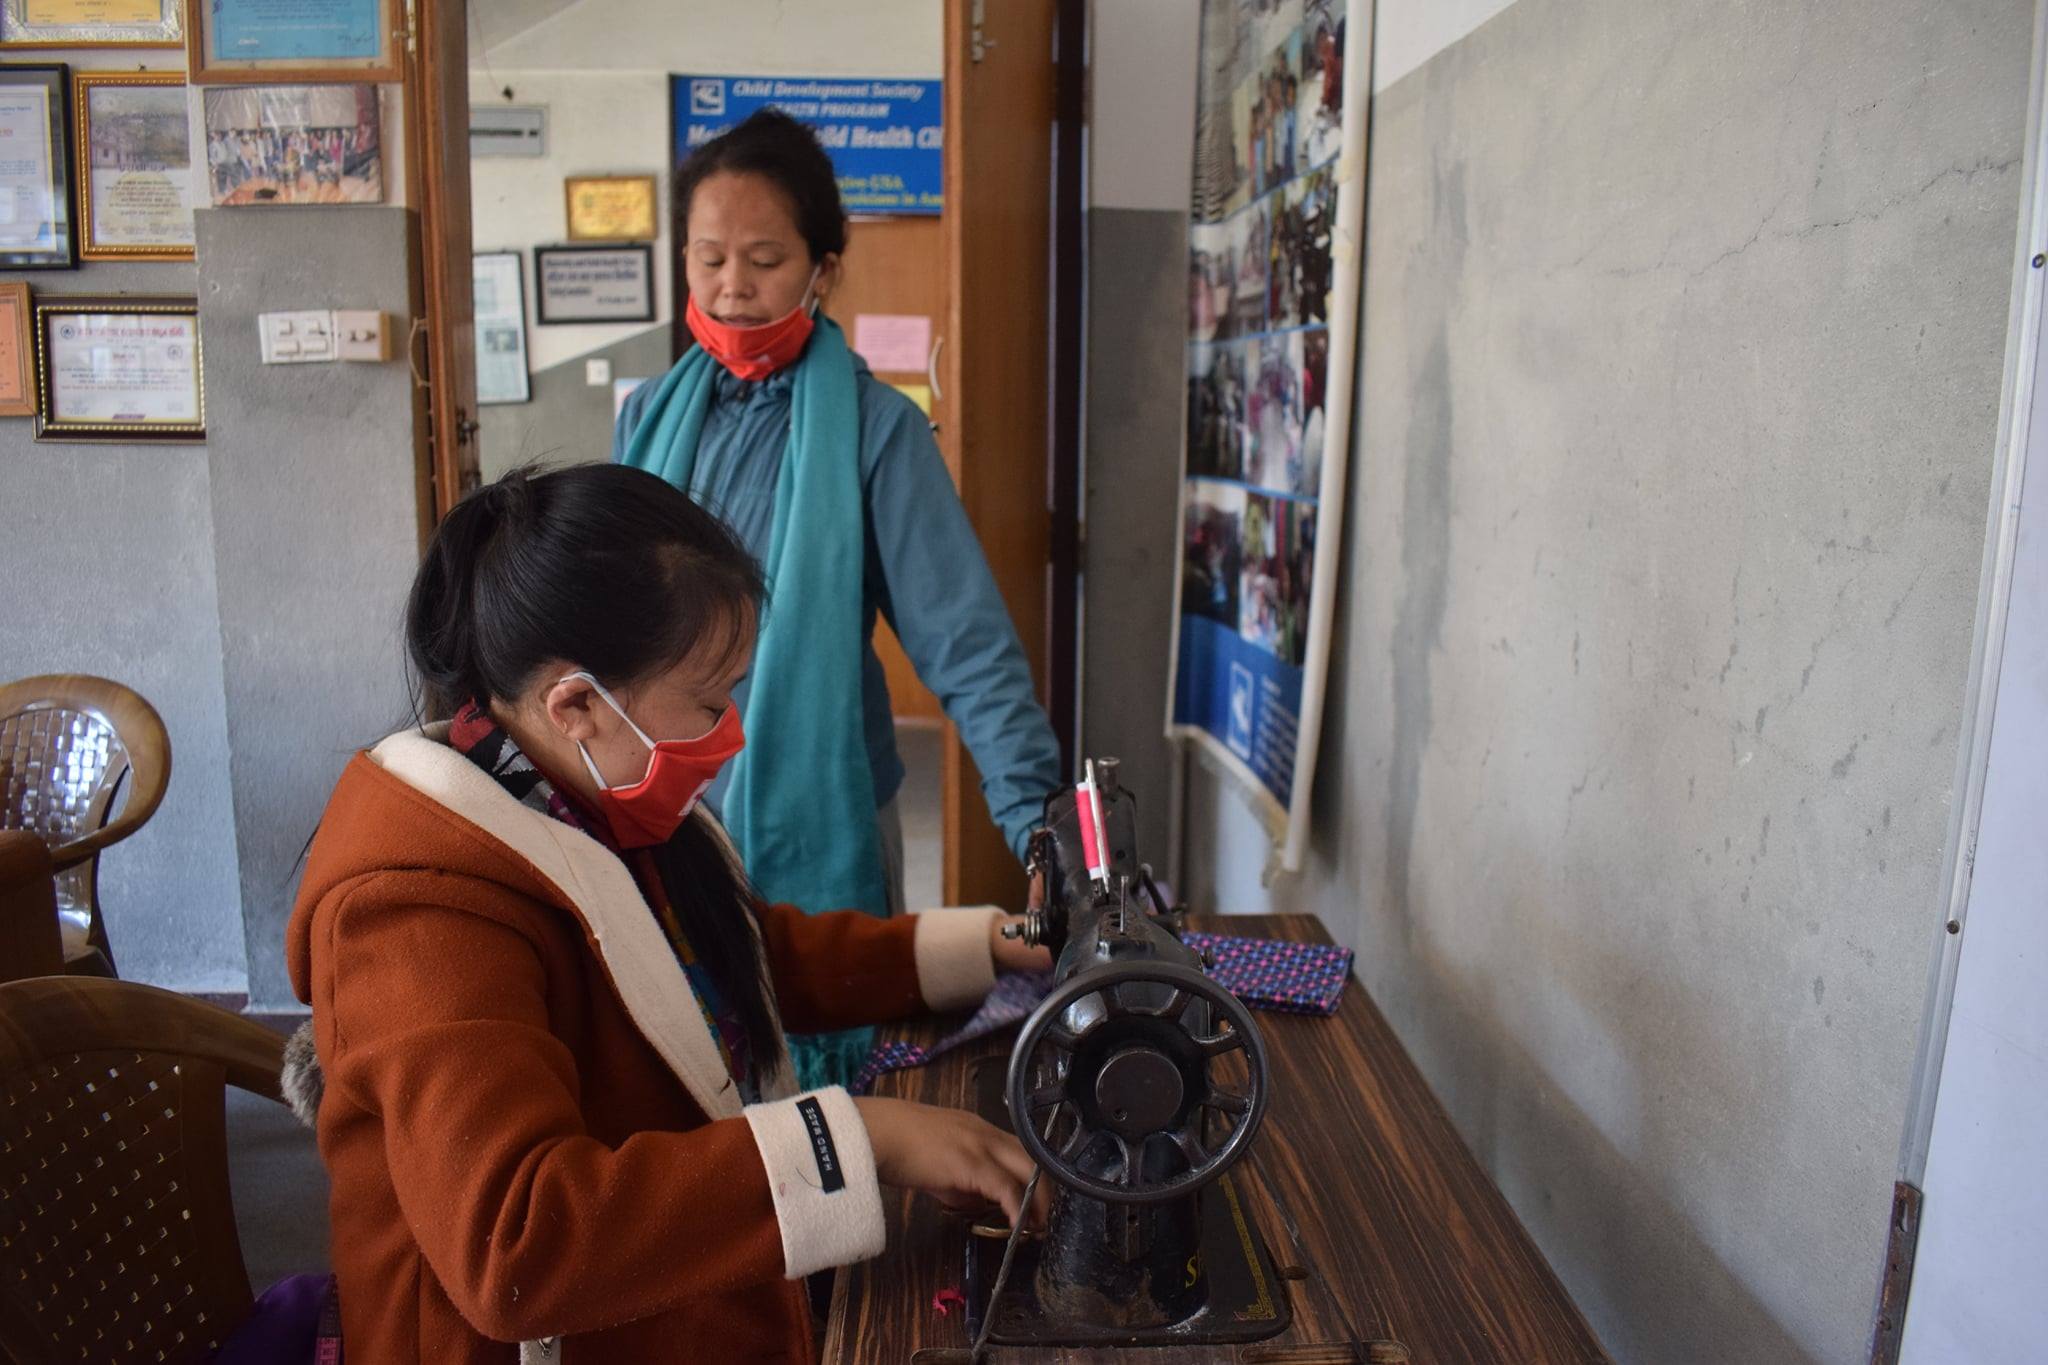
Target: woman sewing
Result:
[[833, 481], [546, 1003]]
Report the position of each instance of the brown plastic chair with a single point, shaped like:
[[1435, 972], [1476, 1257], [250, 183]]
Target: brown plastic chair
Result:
[[67, 742], [117, 1230], [29, 942]]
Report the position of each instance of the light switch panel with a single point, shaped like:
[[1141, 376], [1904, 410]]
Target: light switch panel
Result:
[[362, 334], [297, 338]]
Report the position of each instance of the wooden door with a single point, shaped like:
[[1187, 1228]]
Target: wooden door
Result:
[[444, 351], [994, 371], [896, 266]]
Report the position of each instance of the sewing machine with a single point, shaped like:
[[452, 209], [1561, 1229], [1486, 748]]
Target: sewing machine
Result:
[[1135, 1086]]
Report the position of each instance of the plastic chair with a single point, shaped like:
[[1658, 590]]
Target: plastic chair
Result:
[[117, 1230], [67, 743], [29, 942]]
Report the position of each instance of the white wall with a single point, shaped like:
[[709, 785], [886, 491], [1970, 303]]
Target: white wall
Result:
[[1407, 33], [766, 37], [1141, 103], [613, 123], [1654, 622], [1982, 1259]]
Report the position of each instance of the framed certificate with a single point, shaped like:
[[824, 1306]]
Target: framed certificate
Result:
[[257, 42], [594, 283], [611, 208], [118, 369], [134, 153], [92, 23], [499, 287], [35, 169], [17, 379]]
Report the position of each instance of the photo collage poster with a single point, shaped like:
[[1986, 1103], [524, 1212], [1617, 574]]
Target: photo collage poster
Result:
[[1273, 259]]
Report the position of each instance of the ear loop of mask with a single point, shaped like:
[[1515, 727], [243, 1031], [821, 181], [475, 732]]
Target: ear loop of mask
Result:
[[611, 701]]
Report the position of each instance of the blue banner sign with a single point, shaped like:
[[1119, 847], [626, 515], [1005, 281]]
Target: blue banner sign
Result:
[[885, 136]]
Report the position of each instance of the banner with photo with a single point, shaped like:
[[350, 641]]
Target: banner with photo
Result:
[[1274, 250]]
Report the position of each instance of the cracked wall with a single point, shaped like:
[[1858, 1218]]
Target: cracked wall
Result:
[[1684, 327]]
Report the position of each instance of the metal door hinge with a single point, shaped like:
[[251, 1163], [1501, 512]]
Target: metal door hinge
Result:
[[978, 45], [1900, 1245]]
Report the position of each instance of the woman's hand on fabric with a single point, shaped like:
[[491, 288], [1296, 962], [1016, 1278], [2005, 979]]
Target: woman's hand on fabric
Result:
[[960, 1159], [1013, 954]]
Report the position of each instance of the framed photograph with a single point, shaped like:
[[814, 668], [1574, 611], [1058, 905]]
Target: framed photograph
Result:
[[499, 282], [120, 368], [92, 23], [258, 42], [17, 381], [294, 144], [134, 151], [35, 169], [594, 283], [611, 208]]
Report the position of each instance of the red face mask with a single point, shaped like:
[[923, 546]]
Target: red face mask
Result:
[[754, 353], [678, 772]]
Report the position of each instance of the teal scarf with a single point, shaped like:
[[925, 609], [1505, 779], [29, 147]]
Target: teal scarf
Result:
[[801, 805]]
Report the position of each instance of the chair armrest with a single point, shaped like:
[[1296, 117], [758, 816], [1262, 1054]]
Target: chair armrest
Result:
[[30, 941]]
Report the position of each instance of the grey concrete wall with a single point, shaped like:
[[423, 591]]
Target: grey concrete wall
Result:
[[315, 532], [569, 420], [1136, 384], [108, 561], [1682, 347]]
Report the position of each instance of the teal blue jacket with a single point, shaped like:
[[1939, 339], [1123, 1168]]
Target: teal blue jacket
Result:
[[924, 574]]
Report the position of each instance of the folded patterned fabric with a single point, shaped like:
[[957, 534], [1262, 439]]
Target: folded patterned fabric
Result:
[[1267, 974], [1274, 974]]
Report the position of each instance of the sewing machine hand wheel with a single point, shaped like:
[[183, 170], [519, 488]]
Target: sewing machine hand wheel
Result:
[[1146, 1052]]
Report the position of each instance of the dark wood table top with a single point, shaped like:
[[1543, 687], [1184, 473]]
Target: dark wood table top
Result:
[[1410, 1252]]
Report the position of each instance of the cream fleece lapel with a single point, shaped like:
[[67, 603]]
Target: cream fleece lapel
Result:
[[599, 888]]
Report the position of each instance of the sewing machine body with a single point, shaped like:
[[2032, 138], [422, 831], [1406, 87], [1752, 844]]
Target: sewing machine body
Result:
[[1125, 1075]]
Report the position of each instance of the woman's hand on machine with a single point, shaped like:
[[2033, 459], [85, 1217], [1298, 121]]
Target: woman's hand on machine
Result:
[[960, 1159]]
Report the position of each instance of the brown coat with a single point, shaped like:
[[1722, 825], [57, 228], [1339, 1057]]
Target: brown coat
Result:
[[528, 1127]]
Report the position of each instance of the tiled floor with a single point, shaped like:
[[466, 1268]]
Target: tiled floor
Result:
[[280, 1190]]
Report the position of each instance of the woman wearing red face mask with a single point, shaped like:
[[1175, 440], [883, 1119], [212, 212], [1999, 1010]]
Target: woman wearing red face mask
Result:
[[833, 481], [552, 1091]]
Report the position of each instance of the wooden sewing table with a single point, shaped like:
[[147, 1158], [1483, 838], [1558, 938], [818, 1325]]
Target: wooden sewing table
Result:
[[1401, 1249]]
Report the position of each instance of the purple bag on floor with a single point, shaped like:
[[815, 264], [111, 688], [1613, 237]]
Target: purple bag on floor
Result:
[[297, 1321]]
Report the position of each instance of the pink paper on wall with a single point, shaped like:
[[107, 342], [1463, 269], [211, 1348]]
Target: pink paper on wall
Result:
[[899, 343]]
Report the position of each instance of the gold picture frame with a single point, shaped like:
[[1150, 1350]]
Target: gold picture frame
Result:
[[17, 351], [611, 208], [119, 368], [85, 23], [129, 165], [249, 25]]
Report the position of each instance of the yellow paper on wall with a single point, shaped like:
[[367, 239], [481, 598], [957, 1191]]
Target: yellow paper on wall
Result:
[[94, 12], [920, 394]]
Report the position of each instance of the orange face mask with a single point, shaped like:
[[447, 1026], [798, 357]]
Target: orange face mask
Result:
[[754, 353], [679, 771]]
